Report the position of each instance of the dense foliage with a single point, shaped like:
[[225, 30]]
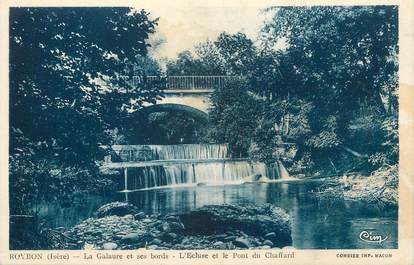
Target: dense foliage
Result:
[[319, 91], [230, 54], [167, 127], [325, 79], [66, 92], [233, 117]]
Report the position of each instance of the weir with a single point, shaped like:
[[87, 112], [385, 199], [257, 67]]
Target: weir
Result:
[[171, 152], [158, 166]]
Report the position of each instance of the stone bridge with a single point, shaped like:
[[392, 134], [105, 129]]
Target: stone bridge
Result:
[[188, 94]]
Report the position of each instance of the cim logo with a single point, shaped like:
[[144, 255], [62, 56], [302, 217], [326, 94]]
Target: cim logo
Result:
[[370, 237]]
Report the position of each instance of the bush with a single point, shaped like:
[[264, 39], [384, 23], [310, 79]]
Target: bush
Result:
[[35, 176]]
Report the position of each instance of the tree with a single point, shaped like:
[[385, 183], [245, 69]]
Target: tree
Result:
[[236, 53], [335, 67], [65, 91], [64, 69], [164, 128], [344, 61], [343, 55], [185, 64], [209, 56], [229, 54], [233, 116]]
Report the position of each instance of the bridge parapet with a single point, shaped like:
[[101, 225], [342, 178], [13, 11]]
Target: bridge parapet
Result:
[[183, 82]]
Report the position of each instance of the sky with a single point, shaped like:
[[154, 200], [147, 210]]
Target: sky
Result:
[[183, 26]]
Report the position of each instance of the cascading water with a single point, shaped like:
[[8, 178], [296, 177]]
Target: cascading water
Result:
[[190, 151], [196, 164], [171, 152]]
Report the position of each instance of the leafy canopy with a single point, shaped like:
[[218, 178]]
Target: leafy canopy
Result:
[[65, 65]]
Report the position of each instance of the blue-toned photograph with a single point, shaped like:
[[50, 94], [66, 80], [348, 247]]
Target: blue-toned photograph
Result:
[[202, 127]]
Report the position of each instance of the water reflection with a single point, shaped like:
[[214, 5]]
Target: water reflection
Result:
[[57, 216], [315, 224]]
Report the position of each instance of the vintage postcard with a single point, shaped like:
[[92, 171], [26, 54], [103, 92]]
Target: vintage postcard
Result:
[[195, 132]]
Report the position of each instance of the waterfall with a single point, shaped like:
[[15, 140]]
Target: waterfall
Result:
[[171, 152], [196, 164], [190, 151]]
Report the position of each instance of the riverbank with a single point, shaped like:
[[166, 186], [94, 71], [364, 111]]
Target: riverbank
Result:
[[121, 226], [308, 216], [381, 187]]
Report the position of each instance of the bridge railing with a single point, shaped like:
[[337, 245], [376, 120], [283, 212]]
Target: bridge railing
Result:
[[182, 82]]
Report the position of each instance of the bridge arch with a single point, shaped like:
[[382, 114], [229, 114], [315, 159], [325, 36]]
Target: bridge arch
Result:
[[197, 114], [192, 91]]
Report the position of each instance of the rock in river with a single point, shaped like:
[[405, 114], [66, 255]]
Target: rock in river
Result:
[[250, 219], [252, 178], [230, 238], [109, 246], [156, 241], [176, 226], [268, 243], [131, 238], [139, 216], [219, 245], [271, 236], [263, 179], [116, 208], [241, 243], [171, 236], [208, 227]]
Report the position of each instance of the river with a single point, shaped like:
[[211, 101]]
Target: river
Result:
[[316, 224], [163, 179]]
